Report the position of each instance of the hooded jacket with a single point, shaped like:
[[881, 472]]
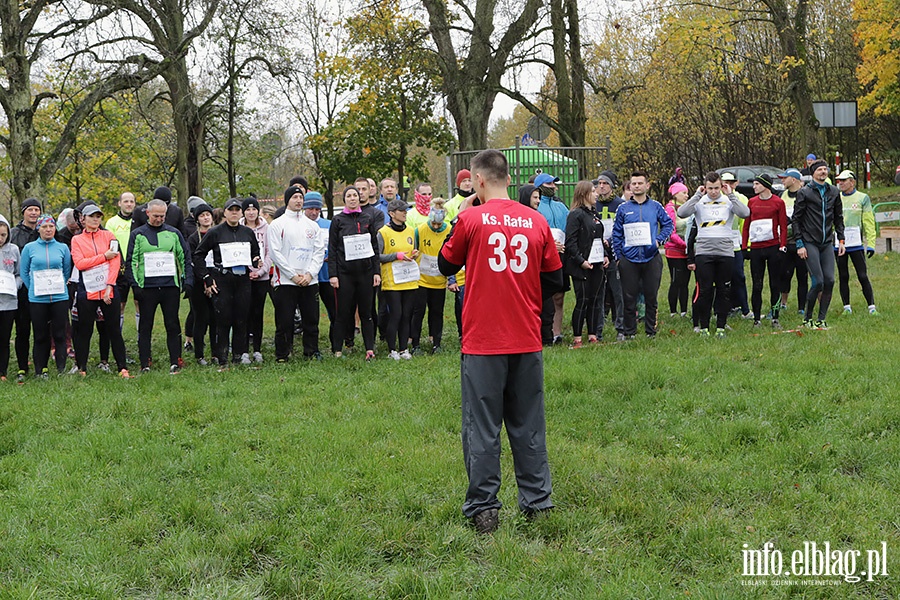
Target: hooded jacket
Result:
[[45, 254], [9, 262], [818, 212]]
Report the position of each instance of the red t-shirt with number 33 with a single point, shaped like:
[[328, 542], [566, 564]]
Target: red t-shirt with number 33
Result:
[[505, 246]]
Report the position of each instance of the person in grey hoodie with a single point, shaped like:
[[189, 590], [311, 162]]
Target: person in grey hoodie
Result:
[[10, 283]]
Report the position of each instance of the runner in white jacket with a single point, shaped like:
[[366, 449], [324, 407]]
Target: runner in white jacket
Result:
[[297, 252]]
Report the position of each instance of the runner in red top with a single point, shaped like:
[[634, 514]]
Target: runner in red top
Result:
[[511, 265]]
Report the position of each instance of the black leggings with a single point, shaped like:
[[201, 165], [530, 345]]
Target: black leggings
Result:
[[399, 305], [259, 291], [7, 318], [713, 282], [230, 301], [680, 276], [49, 320], [862, 274], [354, 292], [168, 300], [433, 299], [760, 259], [587, 301], [84, 329]]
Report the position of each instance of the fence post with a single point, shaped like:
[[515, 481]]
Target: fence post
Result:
[[451, 176]]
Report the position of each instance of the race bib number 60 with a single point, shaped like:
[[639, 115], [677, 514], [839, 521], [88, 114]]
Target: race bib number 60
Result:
[[498, 262]]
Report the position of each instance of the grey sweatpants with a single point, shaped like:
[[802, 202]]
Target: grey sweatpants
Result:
[[505, 388]]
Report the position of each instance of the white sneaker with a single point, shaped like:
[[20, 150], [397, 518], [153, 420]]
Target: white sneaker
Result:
[[257, 356], [245, 359], [104, 367], [394, 355], [405, 355]]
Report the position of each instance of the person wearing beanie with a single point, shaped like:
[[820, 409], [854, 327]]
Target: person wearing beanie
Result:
[[45, 267], [399, 278], [259, 277], [713, 248], [463, 190], [818, 217], [202, 316], [24, 233], [354, 271], [236, 253], [859, 228], [606, 206], [676, 251], [296, 184], [190, 223], [806, 171], [312, 208], [174, 214], [297, 252], [764, 242], [159, 270], [432, 291]]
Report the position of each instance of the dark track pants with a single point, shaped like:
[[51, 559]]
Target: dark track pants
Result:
[[498, 389], [862, 274], [49, 320], [168, 299], [640, 278], [354, 292], [713, 280], [433, 300], [286, 299], [231, 302], [84, 329]]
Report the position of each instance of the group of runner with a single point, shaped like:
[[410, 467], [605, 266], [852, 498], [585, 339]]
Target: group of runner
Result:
[[375, 265]]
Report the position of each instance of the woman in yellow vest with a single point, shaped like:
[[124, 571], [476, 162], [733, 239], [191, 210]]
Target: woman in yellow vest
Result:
[[429, 237], [399, 277]]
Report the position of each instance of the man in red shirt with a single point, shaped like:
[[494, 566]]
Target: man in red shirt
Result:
[[511, 266], [766, 231]]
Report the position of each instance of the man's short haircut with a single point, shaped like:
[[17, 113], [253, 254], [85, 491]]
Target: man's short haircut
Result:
[[713, 177], [157, 202], [640, 173], [362, 180], [492, 165], [421, 185], [387, 179]]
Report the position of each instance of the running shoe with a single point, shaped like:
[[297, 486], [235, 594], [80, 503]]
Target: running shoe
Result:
[[188, 347], [808, 323], [104, 366], [394, 355], [415, 351], [576, 345], [873, 311], [620, 337], [704, 332], [558, 340], [338, 355], [370, 355], [821, 325], [20, 376], [202, 362], [257, 357], [720, 333], [174, 369], [145, 369], [486, 521], [756, 323], [405, 355], [124, 374], [747, 315], [696, 329], [776, 324], [437, 350], [245, 359], [847, 311]]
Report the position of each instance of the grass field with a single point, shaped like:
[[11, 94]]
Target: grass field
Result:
[[342, 479]]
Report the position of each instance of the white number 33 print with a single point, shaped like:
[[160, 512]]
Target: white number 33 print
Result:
[[518, 262]]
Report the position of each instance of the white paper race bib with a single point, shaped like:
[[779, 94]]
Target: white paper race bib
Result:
[[358, 247], [559, 236], [607, 228], [7, 284], [159, 264], [405, 271], [596, 255], [637, 234], [210, 260], [95, 278], [737, 238], [716, 212], [48, 282], [852, 237], [761, 230], [235, 254], [428, 265], [790, 211]]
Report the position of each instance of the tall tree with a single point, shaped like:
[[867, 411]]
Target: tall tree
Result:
[[472, 69], [25, 34]]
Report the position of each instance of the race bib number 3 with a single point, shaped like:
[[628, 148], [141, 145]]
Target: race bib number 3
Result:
[[95, 278], [405, 271], [159, 264], [637, 234], [235, 254], [48, 282], [358, 247]]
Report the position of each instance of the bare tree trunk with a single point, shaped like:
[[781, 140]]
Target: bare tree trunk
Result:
[[190, 133]]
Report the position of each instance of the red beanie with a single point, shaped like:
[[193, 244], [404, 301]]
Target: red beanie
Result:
[[463, 174]]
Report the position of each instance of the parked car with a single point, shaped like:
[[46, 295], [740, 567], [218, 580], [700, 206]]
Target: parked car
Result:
[[746, 174]]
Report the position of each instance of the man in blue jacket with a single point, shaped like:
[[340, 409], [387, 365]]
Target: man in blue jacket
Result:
[[556, 213], [641, 226]]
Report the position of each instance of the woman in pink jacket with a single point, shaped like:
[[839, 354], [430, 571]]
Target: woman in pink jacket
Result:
[[676, 252]]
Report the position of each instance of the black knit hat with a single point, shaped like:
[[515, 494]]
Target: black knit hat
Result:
[[816, 165], [248, 202], [29, 202], [201, 208], [765, 180], [290, 192], [299, 180], [163, 193]]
